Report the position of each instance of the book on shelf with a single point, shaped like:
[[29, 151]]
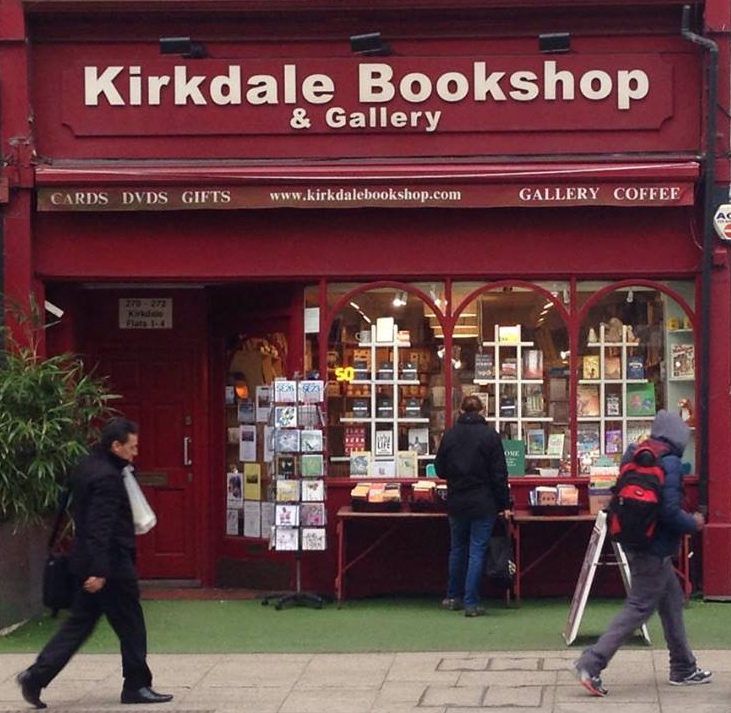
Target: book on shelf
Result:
[[556, 442], [252, 518], [311, 391], [532, 364], [354, 438], [612, 367], [385, 329], [311, 440], [635, 367], [509, 368], [286, 440], [287, 490], [384, 407], [310, 416], [641, 399], [535, 442], [682, 361], [287, 514], [383, 445], [312, 465], [232, 521], [285, 416], [508, 334], [613, 405], [514, 456], [252, 481], [383, 468], [246, 412], [234, 489], [285, 465], [590, 366], [286, 539], [229, 395], [418, 440], [613, 441], [534, 404], [247, 444], [312, 490], [508, 407], [587, 400], [587, 439], [406, 464], [360, 463], [312, 514], [263, 403], [314, 539], [484, 367], [638, 431], [285, 391], [234, 435]]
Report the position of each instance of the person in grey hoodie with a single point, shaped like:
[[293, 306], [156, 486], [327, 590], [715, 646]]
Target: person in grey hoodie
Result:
[[655, 586]]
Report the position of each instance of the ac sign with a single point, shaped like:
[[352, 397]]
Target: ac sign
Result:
[[722, 221]]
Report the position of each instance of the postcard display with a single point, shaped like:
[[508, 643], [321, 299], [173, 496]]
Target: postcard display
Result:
[[298, 477]]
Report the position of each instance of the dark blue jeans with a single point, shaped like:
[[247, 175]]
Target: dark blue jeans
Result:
[[469, 540]]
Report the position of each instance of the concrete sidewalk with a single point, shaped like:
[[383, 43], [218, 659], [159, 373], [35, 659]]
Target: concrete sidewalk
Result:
[[380, 683]]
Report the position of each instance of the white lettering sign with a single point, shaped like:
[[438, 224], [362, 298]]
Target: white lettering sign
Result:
[[146, 313], [378, 83]]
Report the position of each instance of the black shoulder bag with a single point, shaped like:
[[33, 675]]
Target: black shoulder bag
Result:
[[58, 583]]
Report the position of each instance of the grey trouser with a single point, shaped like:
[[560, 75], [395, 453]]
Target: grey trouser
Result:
[[655, 587]]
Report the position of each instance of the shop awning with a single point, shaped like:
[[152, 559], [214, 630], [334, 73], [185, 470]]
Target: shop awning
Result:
[[126, 186]]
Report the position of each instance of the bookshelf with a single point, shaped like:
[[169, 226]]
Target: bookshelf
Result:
[[615, 400], [383, 409], [520, 401]]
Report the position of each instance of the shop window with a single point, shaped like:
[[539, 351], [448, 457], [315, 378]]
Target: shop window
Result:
[[636, 355], [385, 383], [510, 347]]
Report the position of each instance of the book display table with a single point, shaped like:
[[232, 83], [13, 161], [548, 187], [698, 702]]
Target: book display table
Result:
[[570, 525], [392, 522]]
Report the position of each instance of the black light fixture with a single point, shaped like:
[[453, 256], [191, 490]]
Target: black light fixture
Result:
[[553, 42], [183, 46], [369, 45]]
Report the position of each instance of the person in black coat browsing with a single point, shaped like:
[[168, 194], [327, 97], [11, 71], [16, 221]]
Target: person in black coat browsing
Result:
[[472, 460], [102, 558]]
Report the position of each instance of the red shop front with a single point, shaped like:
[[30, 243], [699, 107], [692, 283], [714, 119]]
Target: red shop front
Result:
[[439, 216]]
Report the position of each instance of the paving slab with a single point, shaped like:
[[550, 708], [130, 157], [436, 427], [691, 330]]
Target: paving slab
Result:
[[421, 682]]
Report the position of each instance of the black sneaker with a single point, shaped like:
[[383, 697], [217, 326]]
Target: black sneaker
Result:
[[691, 679], [452, 603], [474, 611], [593, 684]]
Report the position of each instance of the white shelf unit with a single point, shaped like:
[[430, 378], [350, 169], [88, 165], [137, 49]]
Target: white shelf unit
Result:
[[612, 416], [680, 379], [386, 387], [508, 389]]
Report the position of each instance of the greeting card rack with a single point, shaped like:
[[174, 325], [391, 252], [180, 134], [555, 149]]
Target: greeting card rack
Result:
[[298, 479]]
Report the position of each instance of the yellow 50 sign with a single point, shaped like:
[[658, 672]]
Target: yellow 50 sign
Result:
[[344, 373]]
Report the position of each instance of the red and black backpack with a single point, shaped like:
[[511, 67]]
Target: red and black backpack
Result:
[[635, 504]]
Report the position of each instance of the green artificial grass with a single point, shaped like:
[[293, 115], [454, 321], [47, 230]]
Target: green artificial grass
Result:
[[371, 625]]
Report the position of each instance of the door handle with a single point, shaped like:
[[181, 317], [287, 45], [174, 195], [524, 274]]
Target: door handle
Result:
[[186, 451]]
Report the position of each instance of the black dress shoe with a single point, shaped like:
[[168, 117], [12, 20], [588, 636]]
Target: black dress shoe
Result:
[[144, 695], [30, 690]]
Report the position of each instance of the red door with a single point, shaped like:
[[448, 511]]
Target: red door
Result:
[[157, 387]]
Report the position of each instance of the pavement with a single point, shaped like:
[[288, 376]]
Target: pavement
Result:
[[429, 682]]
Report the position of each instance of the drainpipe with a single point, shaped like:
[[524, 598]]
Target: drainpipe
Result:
[[708, 238]]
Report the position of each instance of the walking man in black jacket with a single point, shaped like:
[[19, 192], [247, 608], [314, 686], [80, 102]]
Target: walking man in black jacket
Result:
[[103, 560], [472, 460]]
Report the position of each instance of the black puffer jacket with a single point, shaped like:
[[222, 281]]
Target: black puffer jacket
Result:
[[472, 460], [104, 539]]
